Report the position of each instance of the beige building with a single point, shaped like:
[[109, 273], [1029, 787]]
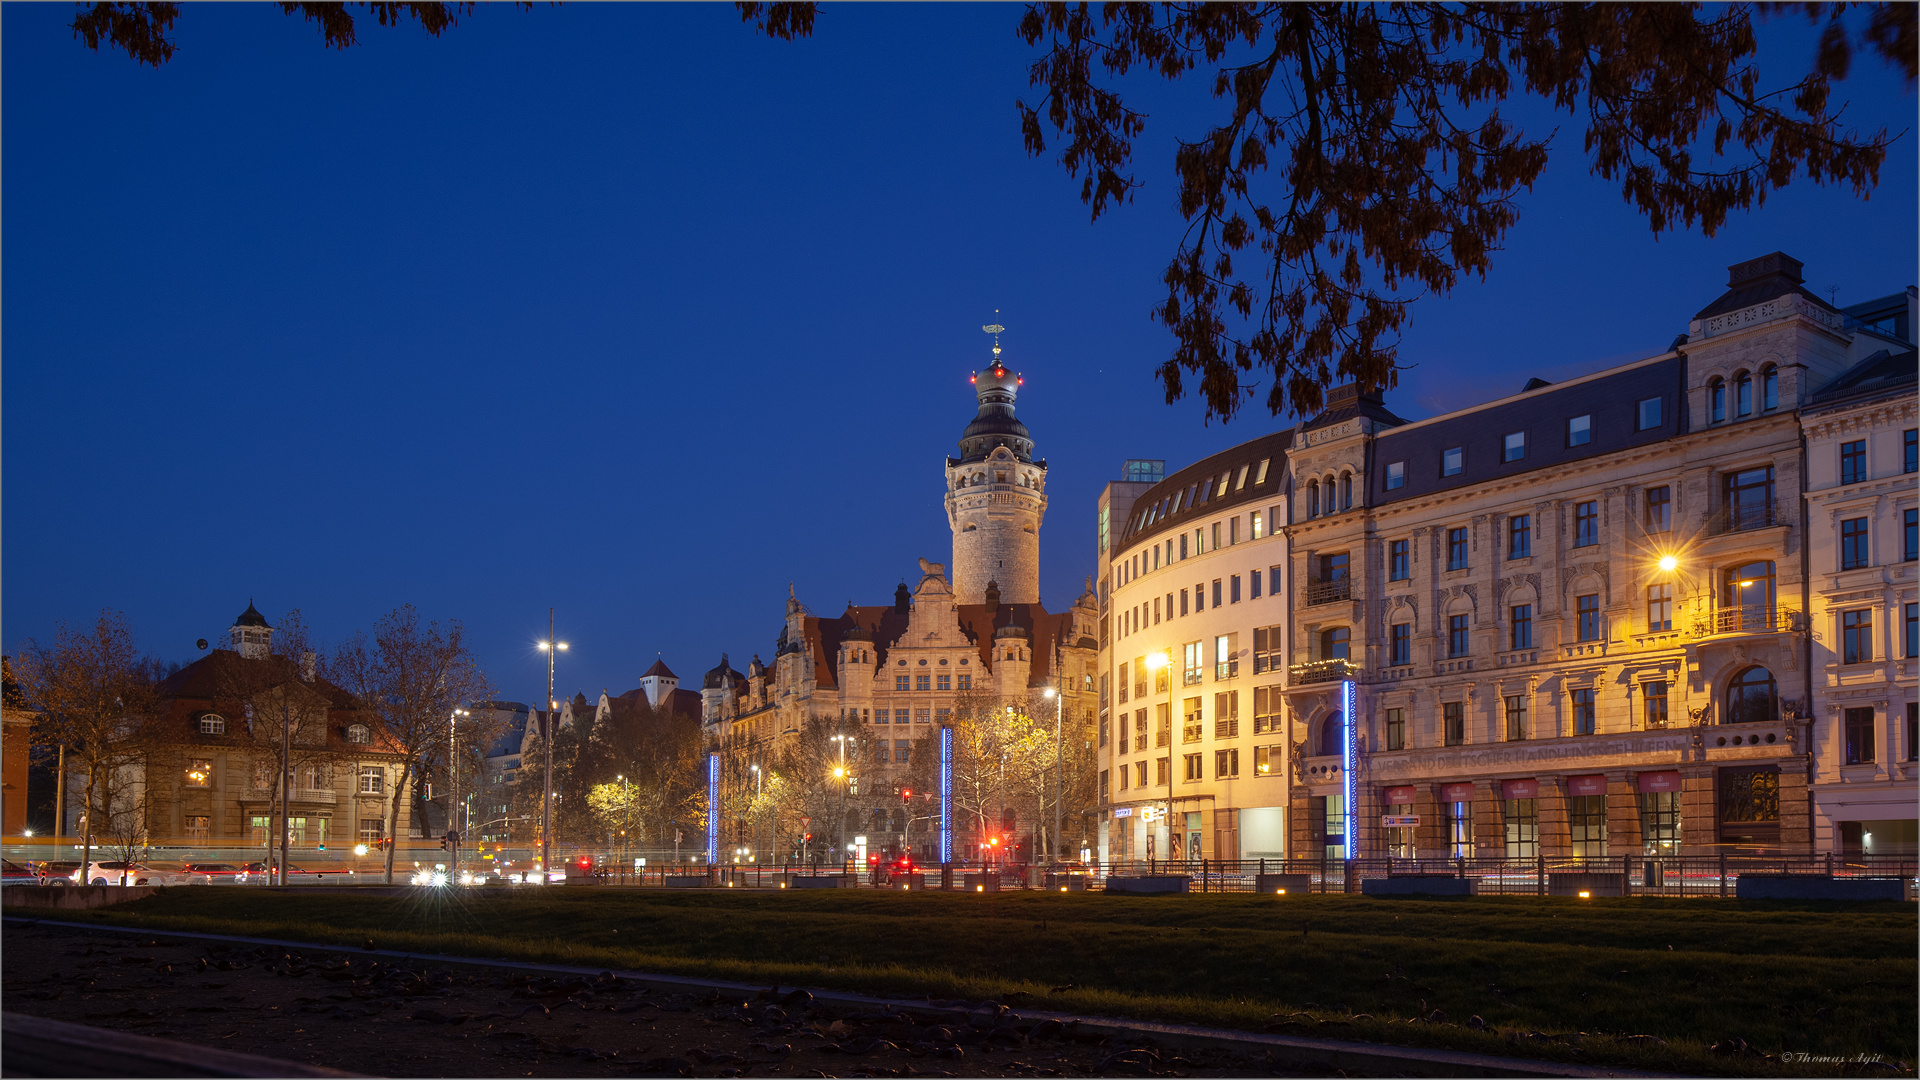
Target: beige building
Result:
[[1863, 539]]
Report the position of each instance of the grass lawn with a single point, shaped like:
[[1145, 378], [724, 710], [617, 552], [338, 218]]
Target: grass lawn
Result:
[[1825, 979]]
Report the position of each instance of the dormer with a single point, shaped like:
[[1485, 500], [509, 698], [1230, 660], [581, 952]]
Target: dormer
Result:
[[1763, 346]]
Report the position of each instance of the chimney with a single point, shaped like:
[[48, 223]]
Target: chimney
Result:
[[307, 660]]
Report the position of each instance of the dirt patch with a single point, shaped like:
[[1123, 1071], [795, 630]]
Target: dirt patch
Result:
[[386, 1018]]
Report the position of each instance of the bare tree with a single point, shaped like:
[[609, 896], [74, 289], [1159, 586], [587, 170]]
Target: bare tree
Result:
[[409, 679], [95, 696]]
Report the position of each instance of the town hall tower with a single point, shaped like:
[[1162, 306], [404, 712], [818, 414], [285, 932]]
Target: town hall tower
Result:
[[996, 496]]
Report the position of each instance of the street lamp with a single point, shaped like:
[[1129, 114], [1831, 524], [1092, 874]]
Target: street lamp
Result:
[[453, 781], [759, 812], [551, 648], [1059, 708], [1158, 662]]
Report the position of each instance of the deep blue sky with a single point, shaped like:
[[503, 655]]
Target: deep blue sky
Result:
[[628, 311]]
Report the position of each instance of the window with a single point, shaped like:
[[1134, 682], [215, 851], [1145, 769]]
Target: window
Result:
[[1268, 714], [1660, 822], [1454, 719], [1456, 635], [1452, 461], [1659, 608], [1653, 697], [1588, 610], [943, 682], [1140, 737], [1743, 395], [1269, 760], [1163, 725], [359, 734], [1459, 829], [1856, 637], [1106, 729], [1583, 720], [1397, 474], [1913, 731], [1911, 524], [899, 716], [1192, 663], [902, 750], [373, 780], [1332, 735], [1716, 401], [1580, 430], [1397, 561], [1159, 771], [1514, 447], [1267, 650], [1226, 764], [1910, 458], [1853, 461], [1859, 727], [1333, 567], [1521, 619], [1233, 527], [1192, 728], [1770, 388], [1225, 664], [1750, 499], [1521, 818], [966, 681], [1313, 498], [213, 724], [263, 772], [1516, 717], [1216, 592], [1193, 768], [1396, 729], [1853, 543], [1519, 536], [199, 828], [1586, 523], [1912, 612], [1333, 643], [1659, 509], [1587, 824], [1233, 589], [1253, 592], [199, 774], [1648, 413], [1346, 491], [923, 682], [900, 681], [1750, 697], [261, 824], [1139, 676], [1400, 644], [372, 830], [1456, 549]]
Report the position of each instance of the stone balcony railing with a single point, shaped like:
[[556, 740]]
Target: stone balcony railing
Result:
[[1329, 592], [1321, 671]]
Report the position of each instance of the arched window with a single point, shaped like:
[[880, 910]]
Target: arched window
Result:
[[1716, 401], [213, 724], [1769, 387], [1334, 642], [1330, 734], [1747, 597], [1750, 698], [359, 734], [1743, 395], [1313, 498], [1346, 491]]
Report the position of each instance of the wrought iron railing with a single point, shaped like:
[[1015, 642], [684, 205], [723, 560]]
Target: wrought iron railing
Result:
[[1745, 620], [1319, 671], [1329, 592], [1731, 518]]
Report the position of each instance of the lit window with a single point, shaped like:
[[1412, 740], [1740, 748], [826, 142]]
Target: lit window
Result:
[[1452, 461], [213, 724], [1659, 608], [1580, 430], [1260, 473], [200, 774], [359, 734], [1515, 447]]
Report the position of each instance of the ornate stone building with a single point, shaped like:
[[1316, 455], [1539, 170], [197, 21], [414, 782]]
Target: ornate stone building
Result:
[[891, 674]]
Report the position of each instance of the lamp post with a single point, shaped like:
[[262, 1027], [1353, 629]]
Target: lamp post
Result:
[[626, 828], [453, 782], [551, 648], [1059, 765], [840, 774], [759, 812]]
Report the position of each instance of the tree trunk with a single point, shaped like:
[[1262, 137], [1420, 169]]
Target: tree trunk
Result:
[[86, 841], [393, 815]]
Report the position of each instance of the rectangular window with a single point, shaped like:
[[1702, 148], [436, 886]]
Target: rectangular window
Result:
[[1183, 601], [1226, 715], [199, 828], [899, 716], [1159, 772], [902, 751], [1660, 823], [1140, 676], [1400, 644], [1233, 589], [1216, 592], [1225, 664], [1268, 712], [966, 681], [1456, 635], [1514, 447], [1255, 519], [1106, 728], [199, 774], [1853, 543], [922, 715], [1653, 698], [1162, 724], [1856, 637], [880, 755], [1192, 729], [1453, 716], [1273, 581], [1913, 731], [1192, 663], [1911, 524], [943, 682], [1912, 612], [1140, 772], [373, 780], [1396, 729], [1583, 722], [372, 829], [1459, 829], [900, 682], [1456, 549], [1586, 523], [1659, 608], [1580, 430], [1648, 414], [1587, 824], [1588, 609], [1226, 764], [1267, 655], [1125, 684], [1126, 775], [1522, 820], [1520, 536], [1516, 717], [923, 682], [1140, 732], [1853, 461], [1253, 592], [1522, 622], [1859, 725], [1216, 536], [1269, 760], [1452, 461], [1910, 444], [1397, 569], [1660, 509], [1397, 474], [1193, 767], [1233, 529]]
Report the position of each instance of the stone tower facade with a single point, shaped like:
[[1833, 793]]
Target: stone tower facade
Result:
[[996, 498]]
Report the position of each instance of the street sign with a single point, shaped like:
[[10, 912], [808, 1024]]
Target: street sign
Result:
[[1398, 821]]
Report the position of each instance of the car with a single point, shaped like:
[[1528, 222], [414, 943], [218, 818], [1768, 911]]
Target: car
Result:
[[12, 873], [168, 873], [120, 872], [258, 871], [61, 873], [214, 873]]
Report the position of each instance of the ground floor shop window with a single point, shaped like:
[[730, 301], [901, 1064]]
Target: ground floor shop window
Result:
[[1400, 842], [1587, 823], [1522, 819], [1336, 827], [1660, 822], [199, 828], [262, 828], [1460, 830], [1194, 850], [1749, 803]]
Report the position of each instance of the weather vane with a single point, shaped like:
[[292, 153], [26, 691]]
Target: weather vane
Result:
[[996, 330]]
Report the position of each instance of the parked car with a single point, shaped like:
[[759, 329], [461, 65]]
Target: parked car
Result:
[[12, 873], [215, 873], [117, 872], [61, 873]]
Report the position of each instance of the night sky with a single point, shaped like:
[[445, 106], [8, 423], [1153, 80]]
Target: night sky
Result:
[[630, 312]]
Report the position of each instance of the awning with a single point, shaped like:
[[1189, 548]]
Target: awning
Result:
[[1655, 782], [1456, 792], [1587, 785], [1519, 789], [1396, 795]]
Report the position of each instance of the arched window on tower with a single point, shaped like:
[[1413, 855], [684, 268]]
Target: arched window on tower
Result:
[[1769, 387], [1743, 394], [1313, 498], [1346, 491]]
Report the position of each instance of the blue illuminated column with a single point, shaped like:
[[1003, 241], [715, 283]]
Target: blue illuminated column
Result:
[[713, 809], [1348, 739], [946, 796]]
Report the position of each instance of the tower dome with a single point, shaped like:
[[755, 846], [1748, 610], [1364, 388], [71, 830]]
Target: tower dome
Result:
[[996, 496], [995, 425]]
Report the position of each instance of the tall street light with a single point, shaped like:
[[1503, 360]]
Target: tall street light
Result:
[[759, 812], [1059, 707], [453, 783], [551, 648]]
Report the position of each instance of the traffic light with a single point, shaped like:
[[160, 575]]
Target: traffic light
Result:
[[906, 795], [443, 844]]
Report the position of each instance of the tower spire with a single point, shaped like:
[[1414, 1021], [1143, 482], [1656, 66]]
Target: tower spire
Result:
[[996, 330]]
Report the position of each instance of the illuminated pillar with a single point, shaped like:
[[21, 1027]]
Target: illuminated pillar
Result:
[[1348, 740], [946, 807], [713, 809]]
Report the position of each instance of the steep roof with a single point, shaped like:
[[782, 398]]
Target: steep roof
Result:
[[1757, 281], [250, 617], [659, 670], [1886, 371], [886, 624]]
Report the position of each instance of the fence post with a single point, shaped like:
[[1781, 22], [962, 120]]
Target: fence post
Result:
[[1203, 875], [1323, 869], [1829, 864], [1723, 875], [1540, 873]]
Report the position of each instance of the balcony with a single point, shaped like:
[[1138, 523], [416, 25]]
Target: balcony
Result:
[[306, 795], [1746, 620], [1329, 592], [1576, 650], [1732, 519], [1321, 671]]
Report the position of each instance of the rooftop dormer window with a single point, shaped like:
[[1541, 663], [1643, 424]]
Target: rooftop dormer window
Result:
[[1452, 461]]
